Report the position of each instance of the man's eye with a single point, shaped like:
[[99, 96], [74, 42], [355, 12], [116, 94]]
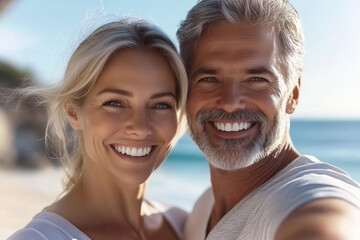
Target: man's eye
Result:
[[258, 79], [162, 106], [208, 79], [113, 103]]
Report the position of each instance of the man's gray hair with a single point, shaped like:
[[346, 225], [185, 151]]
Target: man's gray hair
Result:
[[279, 14]]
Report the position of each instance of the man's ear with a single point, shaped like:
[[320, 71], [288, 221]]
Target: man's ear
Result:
[[293, 99], [72, 115]]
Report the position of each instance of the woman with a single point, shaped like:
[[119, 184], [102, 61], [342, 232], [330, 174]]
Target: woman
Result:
[[123, 94]]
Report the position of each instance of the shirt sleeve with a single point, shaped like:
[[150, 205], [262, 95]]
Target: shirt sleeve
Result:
[[285, 197], [27, 234]]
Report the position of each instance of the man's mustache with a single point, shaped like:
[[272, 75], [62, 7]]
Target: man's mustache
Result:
[[241, 115]]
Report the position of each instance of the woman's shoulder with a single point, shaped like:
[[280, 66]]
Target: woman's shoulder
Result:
[[48, 226], [173, 214], [28, 234]]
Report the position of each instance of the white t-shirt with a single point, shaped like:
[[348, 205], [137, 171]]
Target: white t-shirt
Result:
[[51, 226], [259, 215]]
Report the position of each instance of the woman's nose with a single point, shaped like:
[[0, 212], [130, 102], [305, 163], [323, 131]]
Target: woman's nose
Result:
[[138, 124]]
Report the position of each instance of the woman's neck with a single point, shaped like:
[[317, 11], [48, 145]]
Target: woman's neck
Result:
[[99, 201]]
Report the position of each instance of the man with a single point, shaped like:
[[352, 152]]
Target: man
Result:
[[244, 61]]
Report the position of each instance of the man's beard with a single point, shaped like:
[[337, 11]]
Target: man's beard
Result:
[[232, 154]]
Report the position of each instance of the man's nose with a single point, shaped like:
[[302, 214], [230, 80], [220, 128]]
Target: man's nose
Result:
[[138, 124], [231, 97]]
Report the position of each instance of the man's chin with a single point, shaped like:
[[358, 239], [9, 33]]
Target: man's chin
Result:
[[228, 161]]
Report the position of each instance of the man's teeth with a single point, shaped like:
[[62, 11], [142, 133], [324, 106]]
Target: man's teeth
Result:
[[232, 127], [132, 151]]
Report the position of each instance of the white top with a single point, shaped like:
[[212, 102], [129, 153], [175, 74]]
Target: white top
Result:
[[51, 226], [259, 214]]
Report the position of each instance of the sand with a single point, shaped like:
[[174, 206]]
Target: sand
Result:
[[25, 193]]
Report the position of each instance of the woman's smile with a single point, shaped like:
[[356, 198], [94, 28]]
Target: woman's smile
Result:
[[133, 151], [132, 110]]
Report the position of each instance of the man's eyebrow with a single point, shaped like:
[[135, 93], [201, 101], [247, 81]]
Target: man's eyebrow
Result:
[[212, 71], [202, 70], [259, 70]]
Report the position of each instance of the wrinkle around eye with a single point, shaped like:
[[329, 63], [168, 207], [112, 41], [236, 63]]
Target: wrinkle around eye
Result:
[[208, 79], [258, 79], [113, 104], [163, 106]]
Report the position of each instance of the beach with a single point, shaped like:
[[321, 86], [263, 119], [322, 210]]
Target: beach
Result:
[[182, 178], [25, 193]]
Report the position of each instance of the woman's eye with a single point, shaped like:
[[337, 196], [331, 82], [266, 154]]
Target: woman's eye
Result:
[[208, 79], [113, 103], [162, 106]]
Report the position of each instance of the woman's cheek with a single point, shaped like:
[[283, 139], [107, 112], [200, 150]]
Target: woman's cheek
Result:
[[167, 125]]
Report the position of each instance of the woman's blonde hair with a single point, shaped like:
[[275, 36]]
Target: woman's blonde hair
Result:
[[84, 68]]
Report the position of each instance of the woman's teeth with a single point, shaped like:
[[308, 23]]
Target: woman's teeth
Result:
[[133, 151]]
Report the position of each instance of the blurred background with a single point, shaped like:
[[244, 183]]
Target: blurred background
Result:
[[37, 38]]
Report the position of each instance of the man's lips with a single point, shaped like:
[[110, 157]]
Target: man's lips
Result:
[[232, 129]]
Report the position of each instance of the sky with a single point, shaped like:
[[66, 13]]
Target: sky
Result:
[[41, 35]]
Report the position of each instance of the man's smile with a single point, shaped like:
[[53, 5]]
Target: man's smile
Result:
[[232, 126]]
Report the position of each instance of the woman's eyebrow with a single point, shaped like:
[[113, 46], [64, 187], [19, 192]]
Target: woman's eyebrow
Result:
[[163, 94], [129, 94], [116, 91]]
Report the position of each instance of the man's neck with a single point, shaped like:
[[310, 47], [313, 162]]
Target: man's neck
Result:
[[230, 187]]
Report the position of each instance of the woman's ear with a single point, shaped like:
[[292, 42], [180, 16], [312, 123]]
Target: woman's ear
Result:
[[293, 99], [72, 115]]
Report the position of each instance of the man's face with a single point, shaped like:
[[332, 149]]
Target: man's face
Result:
[[236, 102]]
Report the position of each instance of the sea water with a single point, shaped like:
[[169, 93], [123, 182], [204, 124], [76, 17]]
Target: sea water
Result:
[[185, 174]]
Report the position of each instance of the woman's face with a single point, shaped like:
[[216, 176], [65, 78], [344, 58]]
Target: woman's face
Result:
[[129, 117]]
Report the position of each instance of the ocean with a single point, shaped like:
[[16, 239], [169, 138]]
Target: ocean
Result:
[[185, 174]]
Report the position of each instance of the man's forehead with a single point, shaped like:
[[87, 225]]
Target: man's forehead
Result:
[[224, 29], [241, 27], [225, 40], [243, 38]]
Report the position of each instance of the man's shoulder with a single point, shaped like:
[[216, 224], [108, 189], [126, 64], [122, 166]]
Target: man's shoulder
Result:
[[316, 220], [308, 179], [310, 169], [301, 186]]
